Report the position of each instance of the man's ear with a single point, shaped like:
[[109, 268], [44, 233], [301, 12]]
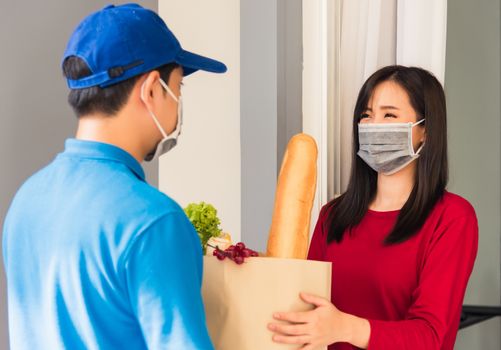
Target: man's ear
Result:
[[147, 88]]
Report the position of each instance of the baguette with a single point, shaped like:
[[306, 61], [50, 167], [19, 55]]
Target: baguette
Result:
[[290, 226]]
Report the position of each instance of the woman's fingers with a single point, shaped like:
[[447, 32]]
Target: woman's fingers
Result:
[[300, 331], [293, 317], [308, 347], [291, 339], [314, 299], [290, 329]]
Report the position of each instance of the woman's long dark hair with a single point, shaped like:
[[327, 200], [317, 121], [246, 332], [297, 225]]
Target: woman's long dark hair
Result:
[[427, 97]]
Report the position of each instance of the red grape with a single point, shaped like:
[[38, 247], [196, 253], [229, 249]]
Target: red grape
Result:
[[237, 253]]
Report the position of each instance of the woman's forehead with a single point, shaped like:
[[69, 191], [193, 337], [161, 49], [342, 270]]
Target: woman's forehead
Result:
[[387, 95]]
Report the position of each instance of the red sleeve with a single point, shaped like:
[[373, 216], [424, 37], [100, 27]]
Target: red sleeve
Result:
[[318, 243], [438, 299]]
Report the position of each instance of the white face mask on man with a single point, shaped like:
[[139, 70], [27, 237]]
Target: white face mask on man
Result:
[[168, 142]]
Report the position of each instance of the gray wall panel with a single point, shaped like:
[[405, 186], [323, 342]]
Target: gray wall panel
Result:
[[258, 118], [472, 84], [271, 104]]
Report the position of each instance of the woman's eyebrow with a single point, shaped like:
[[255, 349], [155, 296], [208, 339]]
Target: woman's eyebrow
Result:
[[389, 107], [368, 109]]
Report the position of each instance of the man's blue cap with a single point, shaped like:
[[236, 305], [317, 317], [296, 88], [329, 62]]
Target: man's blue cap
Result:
[[119, 42]]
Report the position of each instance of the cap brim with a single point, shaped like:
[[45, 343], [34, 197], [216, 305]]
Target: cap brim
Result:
[[191, 62]]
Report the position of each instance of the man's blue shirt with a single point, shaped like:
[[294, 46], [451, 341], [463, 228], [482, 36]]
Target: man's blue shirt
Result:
[[98, 259]]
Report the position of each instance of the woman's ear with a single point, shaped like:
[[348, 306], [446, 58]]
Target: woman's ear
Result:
[[423, 138]]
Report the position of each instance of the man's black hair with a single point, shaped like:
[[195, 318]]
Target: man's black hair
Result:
[[108, 100]]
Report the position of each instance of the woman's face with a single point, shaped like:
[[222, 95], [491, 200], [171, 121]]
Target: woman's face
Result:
[[390, 104]]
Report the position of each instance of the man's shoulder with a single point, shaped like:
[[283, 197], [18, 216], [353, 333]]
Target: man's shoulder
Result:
[[32, 185], [148, 198], [145, 207]]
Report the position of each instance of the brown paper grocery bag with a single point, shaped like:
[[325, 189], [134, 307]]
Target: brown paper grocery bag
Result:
[[241, 299]]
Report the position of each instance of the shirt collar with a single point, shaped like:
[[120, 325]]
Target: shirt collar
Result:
[[99, 150]]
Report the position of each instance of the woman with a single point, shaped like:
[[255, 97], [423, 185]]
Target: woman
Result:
[[402, 248]]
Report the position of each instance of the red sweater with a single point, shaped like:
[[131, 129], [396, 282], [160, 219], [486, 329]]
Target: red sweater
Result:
[[411, 292]]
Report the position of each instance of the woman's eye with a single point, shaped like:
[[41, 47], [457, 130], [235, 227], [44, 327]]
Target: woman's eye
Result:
[[389, 115], [364, 116]]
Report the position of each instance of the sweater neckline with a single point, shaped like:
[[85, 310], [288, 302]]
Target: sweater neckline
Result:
[[383, 214]]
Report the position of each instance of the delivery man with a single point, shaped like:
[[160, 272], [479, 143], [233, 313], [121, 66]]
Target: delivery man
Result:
[[95, 257]]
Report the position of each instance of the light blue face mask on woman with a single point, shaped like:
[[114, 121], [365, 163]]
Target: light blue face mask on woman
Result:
[[387, 147]]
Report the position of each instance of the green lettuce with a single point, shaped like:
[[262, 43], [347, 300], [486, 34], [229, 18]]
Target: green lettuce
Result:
[[203, 217]]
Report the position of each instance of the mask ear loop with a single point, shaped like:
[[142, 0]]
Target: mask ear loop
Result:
[[419, 122], [411, 145], [169, 91], [177, 130], [164, 135], [419, 149]]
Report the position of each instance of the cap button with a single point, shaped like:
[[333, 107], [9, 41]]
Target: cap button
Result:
[[109, 7]]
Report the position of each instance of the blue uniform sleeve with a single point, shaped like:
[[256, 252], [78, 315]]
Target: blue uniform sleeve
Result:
[[163, 271]]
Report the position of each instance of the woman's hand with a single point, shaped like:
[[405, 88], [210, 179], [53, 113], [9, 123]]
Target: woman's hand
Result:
[[322, 326]]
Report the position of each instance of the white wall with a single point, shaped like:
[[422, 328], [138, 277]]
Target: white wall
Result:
[[205, 165]]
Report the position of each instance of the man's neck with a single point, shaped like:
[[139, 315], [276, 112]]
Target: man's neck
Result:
[[108, 130]]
